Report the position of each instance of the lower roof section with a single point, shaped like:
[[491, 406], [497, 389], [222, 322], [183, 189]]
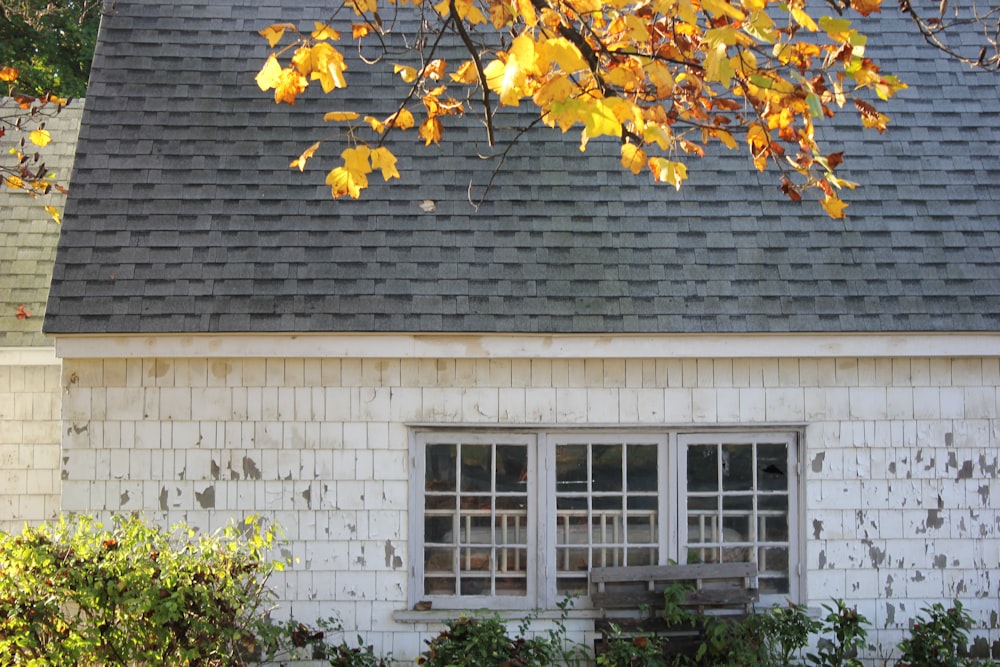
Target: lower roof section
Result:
[[493, 346]]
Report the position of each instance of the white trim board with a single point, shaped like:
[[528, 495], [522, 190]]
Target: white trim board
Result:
[[28, 356], [528, 346]]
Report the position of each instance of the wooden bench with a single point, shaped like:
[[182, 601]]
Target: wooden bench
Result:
[[632, 598]]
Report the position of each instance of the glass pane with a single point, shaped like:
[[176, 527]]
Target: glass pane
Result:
[[702, 528], [737, 467], [475, 559], [703, 555], [642, 468], [436, 502], [572, 585], [572, 530], [703, 468], [773, 528], [439, 586], [512, 468], [511, 560], [607, 503], [476, 529], [573, 560], [475, 586], [772, 467], [484, 503], [775, 503], [639, 503], [772, 559], [571, 468], [642, 529], [477, 468], [638, 557], [773, 585], [511, 586], [440, 468], [703, 503], [607, 529], [439, 529], [608, 557], [736, 528], [439, 560], [736, 555], [607, 468]]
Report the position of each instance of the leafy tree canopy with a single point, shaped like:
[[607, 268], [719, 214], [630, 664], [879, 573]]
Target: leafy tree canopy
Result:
[[45, 53], [665, 78], [50, 44]]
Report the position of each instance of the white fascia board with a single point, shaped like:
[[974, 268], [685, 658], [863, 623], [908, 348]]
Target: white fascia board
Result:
[[527, 346], [28, 356]]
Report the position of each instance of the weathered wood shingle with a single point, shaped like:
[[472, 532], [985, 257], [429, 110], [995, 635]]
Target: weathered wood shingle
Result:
[[184, 215]]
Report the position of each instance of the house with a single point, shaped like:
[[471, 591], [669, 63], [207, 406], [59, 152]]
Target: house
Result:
[[29, 370], [469, 407]]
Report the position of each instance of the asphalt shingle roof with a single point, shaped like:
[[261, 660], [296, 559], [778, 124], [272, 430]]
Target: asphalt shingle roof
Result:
[[28, 234], [184, 216]]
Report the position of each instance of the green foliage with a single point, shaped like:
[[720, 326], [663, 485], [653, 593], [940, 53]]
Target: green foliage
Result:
[[643, 650], [483, 641], [845, 636], [75, 592], [787, 630], [50, 43], [938, 640]]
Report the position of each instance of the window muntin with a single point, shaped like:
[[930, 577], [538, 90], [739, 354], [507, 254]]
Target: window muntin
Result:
[[606, 508], [490, 530], [476, 519], [740, 505]]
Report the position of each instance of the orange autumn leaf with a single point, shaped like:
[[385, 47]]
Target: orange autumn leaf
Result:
[[834, 206], [430, 131], [290, 85], [8, 74], [22, 313], [300, 161]]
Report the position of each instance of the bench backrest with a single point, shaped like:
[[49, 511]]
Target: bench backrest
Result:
[[711, 587]]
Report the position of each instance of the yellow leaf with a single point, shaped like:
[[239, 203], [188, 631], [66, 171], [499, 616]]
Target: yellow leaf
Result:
[[270, 74], [466, 73], [362, 6], [523, 52], [274, 33], [803, 19], [40, 137], [340, 115], [726, 139], [14, 182], [556, 88], [526, 12], [834, 206], [357, 160], [322, 31], [54, 212], [376, 125], [359, 30], [302, 60], [289, 86], [430, 131], [601, 120], [405, 72], [327, 64], [383, 159], [722, 8], [717, 65], [402, 120], [633, 158], [668, 171], [8, 74], [300, 162], [506, 79], [562, 52], [342, 182]]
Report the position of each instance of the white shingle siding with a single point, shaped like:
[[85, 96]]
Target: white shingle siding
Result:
[[900, 458]]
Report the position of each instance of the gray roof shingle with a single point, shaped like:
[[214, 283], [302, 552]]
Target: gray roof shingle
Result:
[[184, 216]]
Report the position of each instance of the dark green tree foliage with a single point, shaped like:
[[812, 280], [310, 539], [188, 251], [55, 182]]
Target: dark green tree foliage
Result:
[[50, 44]]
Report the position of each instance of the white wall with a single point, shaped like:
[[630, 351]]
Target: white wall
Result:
[[901, 460]]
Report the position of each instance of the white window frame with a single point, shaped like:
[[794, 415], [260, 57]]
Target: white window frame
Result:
[[541, 443]]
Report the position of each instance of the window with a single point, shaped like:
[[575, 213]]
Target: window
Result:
[[516, 519]]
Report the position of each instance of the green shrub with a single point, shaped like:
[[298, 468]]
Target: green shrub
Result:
[[74, 592], [939, 640], [845, 635]]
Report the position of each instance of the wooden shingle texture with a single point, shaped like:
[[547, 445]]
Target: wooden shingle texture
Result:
[[185, 217]]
